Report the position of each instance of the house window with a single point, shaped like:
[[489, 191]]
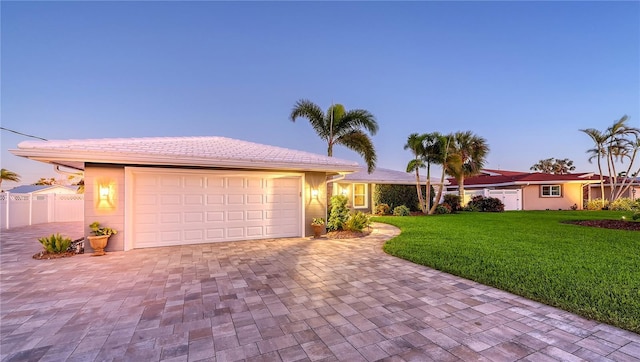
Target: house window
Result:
[[359, 195], [551, 191]]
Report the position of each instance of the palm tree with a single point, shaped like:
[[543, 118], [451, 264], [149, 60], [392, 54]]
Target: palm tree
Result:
[[8, 176], [415, 144], [432, 151], [472, 151], [598, 153], [616, 143], [446, 159], [342, 127]]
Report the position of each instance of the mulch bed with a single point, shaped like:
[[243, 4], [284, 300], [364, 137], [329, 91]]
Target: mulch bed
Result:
[[343, 234], [609, 224], [43, 255]]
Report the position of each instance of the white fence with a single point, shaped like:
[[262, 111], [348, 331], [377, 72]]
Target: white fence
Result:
[[511, 198], [29, 209]]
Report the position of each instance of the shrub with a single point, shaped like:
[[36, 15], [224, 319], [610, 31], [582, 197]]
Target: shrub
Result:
[[636, 216], [485, 204], [357, 221], [596, 204], [396, 195], [622, 204], [453, 201], [443, 209], [382, 209], [339, 212], [55, 243], [401, 211]]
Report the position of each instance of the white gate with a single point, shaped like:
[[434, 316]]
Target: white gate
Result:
[[511, 198], [29, 209]]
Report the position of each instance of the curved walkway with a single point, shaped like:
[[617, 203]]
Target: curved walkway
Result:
[[272, 300]]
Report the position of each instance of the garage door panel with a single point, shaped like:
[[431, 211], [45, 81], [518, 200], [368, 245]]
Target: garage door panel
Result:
[[170, 218], [215, 234], [146, 200], [254, 215], [237, 232], [215, 199], [235, 182], [254, 199], [214, 216], [193, 235], [235, 199], [170, 181], [170, 200], [194, 199], [194, 182], [193, 217], [173, 208]]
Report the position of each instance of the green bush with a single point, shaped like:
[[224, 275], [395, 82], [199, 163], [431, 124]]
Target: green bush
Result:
[[596, 204], [443, 209], [401, 211], [623, 204], [396, 195], [453, 201], [339, 212], [382, 209], [55, 243], [636, 216], [357, 221], [485, 204]]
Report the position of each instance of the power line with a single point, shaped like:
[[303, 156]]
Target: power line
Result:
[[23, 134]]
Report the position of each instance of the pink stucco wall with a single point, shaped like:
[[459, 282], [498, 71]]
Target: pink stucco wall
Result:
[[571, 195]]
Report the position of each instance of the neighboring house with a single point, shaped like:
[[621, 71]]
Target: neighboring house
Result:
[[529, 191], [633, 192], [186, 190], [359, 186], [44, 189]]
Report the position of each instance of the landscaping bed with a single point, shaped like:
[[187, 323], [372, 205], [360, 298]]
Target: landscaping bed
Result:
[[541, 255]]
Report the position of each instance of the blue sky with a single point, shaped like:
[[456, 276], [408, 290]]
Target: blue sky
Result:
[[524, 75]]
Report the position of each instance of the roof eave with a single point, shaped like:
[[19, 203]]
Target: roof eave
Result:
[[64, 157]]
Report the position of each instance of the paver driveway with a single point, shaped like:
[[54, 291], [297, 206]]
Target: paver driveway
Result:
[[272, 300]]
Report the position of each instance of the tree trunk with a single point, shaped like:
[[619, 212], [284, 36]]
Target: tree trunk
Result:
[[601, 183], [419, 191], [428, 191], [461, 190], [436, 201]]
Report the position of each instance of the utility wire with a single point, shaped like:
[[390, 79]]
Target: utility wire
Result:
[[23, 134]]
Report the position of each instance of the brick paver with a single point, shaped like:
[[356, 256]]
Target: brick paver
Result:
[[273, 300]]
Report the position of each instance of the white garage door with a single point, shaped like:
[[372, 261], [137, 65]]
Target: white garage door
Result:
[[190, 207]]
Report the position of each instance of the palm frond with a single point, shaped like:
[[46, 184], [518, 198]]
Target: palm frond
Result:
[[361, 143], [311, 111]]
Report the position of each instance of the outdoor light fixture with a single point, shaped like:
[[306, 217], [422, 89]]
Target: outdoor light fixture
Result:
[[314, 193], [104, 192], [345, 192]]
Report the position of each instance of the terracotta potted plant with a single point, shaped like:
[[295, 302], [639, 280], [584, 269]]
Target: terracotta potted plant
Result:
[[100, 238], [318, 227]]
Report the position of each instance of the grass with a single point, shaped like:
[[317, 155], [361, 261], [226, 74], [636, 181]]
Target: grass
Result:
[[589, 271]]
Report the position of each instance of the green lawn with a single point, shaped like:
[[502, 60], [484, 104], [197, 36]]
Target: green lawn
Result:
[[589, 271]]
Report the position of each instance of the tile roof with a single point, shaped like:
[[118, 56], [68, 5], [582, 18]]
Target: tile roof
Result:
[[180, 151], [387, 176], [505, 178], [27, 189]]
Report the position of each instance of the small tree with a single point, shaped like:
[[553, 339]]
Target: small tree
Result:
[[339, 213], [554, 166]]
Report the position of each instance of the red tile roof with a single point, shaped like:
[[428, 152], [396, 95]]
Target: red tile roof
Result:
[[506, 178]]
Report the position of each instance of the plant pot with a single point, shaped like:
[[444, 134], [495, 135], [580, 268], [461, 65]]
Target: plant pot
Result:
[[98, 243], [317, 230]]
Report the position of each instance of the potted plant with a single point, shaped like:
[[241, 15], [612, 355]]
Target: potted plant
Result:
[[100, 237], [318, 227]]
